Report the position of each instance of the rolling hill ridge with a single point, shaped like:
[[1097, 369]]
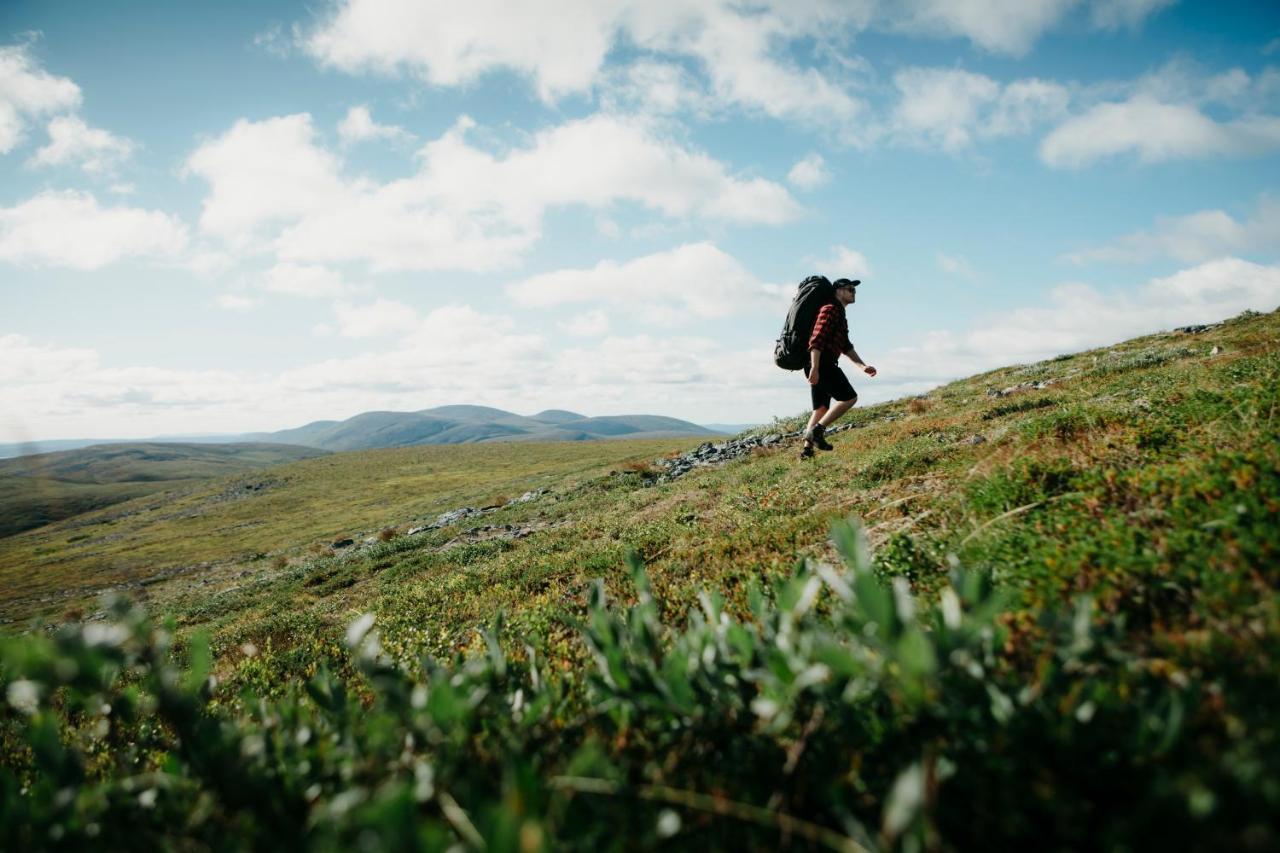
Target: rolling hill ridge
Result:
[[462, 424]]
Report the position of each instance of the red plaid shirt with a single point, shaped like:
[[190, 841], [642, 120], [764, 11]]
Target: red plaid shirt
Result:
[[831, 331]]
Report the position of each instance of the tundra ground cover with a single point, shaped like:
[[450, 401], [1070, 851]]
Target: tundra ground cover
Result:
[[1062, 629]]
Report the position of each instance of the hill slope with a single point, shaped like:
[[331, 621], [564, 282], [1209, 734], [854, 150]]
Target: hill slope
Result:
[[1065, 628], [47, 487]]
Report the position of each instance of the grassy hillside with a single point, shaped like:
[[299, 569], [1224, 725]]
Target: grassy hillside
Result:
[[210, 532], [42, 488], [1059, 626]]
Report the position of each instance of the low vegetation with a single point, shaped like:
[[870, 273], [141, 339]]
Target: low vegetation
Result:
[[1051, 624], [42, 488]]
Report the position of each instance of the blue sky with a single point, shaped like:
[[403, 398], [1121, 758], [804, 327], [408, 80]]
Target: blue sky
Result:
[[241, 216]]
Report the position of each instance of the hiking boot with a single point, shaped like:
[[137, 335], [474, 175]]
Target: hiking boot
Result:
[[818, 435], [806, 452]]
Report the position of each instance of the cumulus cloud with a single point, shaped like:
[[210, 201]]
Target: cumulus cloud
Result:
[[1198, 236], [561, 47], [1079, 317], [236, 301], [28, 91], [950, 108], [72, 142], [1178, 111], [274, 187], [843, 262], [689, 282], [312, 280], [70, 229], [588, 324], [1009, 26], [1117, 14], [264, 172], [809, 173], [1005, 26], [358, 126], [375, 319], [1156, 132]]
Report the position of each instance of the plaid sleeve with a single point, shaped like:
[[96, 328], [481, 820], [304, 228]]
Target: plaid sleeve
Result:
[[823, 329]]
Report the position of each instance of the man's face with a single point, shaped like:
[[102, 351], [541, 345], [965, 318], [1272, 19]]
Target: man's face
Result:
[[846, 295]]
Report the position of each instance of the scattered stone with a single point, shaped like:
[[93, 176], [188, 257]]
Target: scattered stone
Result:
[[414, 531], [343, 543], [528, 496], [453, 516], [1215, 350], [1194, 330], [1142, 403], [976, 440], [1021, 386]]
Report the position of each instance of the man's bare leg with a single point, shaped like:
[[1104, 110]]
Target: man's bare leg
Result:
[[834, 413], [815, 417]]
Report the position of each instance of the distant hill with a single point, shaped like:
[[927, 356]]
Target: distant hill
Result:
[[458, 424], [472, 424], [42, 488]]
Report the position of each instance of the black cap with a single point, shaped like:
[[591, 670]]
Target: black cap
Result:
[[844, 282]]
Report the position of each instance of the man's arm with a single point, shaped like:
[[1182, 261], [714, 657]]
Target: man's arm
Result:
[[852, 355], [814, 357]]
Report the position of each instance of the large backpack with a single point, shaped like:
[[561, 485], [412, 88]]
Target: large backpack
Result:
[[792, 349]]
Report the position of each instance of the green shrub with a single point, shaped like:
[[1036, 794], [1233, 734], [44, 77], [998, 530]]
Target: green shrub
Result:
[[840, 712]]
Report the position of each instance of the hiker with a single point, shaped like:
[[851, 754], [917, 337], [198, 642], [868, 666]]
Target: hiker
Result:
[[828, 341]]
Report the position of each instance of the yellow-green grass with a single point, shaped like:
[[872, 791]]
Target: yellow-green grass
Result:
[[256, 521], [1146, 474]]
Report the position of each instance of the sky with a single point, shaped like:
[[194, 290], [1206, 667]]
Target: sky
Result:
[[241, 216]]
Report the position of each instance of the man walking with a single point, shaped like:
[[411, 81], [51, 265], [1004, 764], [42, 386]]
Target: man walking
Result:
[[830, 340]]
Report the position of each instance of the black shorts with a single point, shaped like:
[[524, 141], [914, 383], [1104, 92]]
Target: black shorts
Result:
[[832, 383]]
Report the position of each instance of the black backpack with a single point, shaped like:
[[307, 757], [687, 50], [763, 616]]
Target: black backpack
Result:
[[792, 349]]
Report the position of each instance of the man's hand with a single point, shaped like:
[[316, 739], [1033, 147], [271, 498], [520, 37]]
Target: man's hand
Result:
[[869, 370], [813, 377]]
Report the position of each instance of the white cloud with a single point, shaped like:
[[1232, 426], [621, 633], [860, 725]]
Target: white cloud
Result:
[[375, 319], [358, 126], [70, 229], [957, 265], [809, 173], [263, 173], [1156, 132], [693, 281], [1198, 236], [310, 280], [27, 91], [23, 362], [588, 324], [236, 302], [844, 262], [655, 88], [1115, 14], [1005, 26], [466, 208], [562, 47], [950, 107], [93, 149], [1009, 26], [1080, 317], [1179, 110]]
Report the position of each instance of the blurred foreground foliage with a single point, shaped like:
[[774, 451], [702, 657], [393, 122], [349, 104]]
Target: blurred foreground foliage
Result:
[[840, 712]]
